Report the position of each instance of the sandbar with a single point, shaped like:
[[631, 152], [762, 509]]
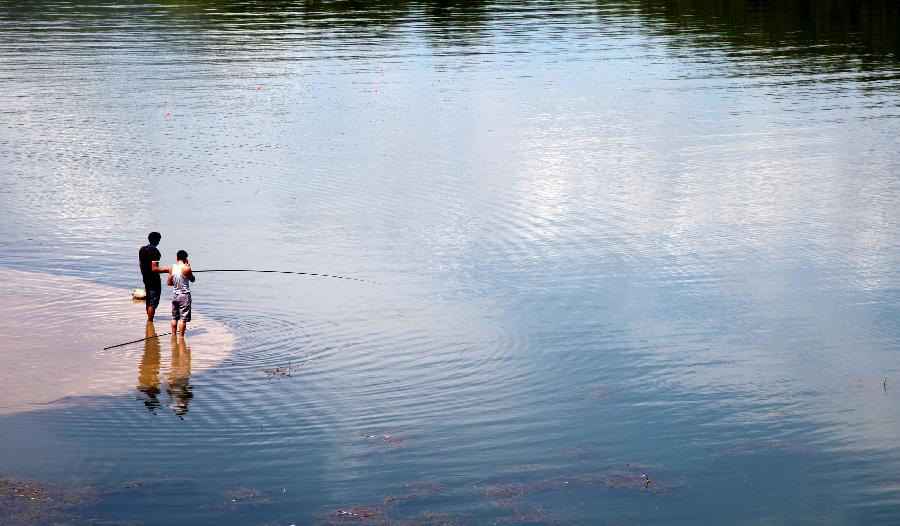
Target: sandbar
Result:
[[53, 331]]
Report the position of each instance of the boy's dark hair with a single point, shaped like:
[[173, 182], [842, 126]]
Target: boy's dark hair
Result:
[[154, 238], [181, 255]]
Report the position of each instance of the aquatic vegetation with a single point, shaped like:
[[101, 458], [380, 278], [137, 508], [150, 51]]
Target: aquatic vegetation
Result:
[[242, 497], [379, 513], [508, 491], [25, 490], [283, 371], [157, 482], [388, 440], [529, 467], [368, 515], [865, 384], [27, 503], [598, 392], [634, 477], [630, 480]]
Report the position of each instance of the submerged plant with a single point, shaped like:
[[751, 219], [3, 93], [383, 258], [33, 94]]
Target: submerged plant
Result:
[[26, 503], [282, 371]]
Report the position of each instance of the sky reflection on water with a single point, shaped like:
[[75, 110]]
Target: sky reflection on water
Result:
[[660, 233]]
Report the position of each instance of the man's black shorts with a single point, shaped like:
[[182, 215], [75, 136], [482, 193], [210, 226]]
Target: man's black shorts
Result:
[[152, 298]]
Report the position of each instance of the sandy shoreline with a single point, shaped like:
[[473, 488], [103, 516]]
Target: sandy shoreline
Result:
[[54, 330]]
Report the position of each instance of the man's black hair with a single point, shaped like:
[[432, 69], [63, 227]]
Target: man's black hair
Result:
[[181, 255], [154, 238]]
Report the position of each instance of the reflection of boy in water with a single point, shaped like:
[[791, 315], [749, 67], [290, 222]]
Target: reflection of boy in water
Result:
[[148, 370], [178, 385], [179, 388]]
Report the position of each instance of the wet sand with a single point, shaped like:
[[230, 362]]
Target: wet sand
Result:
[[54, 330]]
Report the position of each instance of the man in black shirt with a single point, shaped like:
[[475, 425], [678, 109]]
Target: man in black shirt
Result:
[[148, 260]]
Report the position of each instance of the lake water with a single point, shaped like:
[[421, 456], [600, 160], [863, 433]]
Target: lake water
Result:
[[634, 262]]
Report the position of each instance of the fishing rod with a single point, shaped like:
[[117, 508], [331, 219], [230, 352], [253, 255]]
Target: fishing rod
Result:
[[286, 272], [191, 329], [136, 341]]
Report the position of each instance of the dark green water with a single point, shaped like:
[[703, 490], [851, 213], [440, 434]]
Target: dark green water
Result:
[[614, 239]]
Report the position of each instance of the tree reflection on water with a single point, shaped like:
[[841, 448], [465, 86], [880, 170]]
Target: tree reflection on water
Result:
[[863, 29]]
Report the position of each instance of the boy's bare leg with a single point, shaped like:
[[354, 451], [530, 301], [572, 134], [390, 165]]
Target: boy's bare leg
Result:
[[174, 326], [182, 328]]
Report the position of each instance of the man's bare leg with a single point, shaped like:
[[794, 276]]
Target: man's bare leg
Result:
[[151, 312]]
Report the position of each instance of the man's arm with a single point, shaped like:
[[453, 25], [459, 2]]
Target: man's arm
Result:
[[169, 281], [154, 267]]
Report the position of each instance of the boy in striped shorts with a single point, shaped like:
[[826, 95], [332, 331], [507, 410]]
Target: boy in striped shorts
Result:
[[181, 277]]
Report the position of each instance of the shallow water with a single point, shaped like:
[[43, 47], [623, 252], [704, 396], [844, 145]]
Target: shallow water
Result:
[[69, 353], [611, 239]]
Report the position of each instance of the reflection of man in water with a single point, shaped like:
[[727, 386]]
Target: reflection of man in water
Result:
[[178, 385], [148, 371], [179, 388]]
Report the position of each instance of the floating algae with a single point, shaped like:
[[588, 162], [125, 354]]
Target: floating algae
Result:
[[157, 483], [285, 371], [506, 502], [388, 440], [64, 356], [509, 491], [865, 384], [633, 477], [281, 371], [369, 515], [529, 467], [242, 497], [381, 512], [597, 392], [29, 503]]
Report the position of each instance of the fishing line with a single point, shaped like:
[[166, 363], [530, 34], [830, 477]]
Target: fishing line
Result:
[[287, 272], [256, 271]]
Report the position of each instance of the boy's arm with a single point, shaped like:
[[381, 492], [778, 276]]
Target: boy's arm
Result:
[[188, 274], [169, 281]]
